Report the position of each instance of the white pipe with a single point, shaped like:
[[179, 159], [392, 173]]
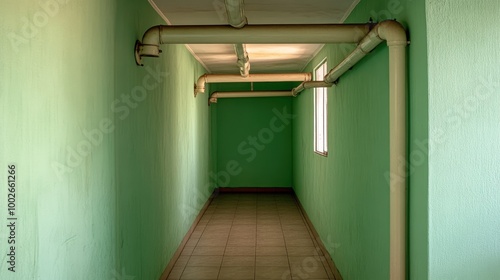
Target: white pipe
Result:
[[395, 35], [398, 140], [243, 60], [235, 13], [240, 94], [236, 18], [250, 34], [306, 85], [232, 78]]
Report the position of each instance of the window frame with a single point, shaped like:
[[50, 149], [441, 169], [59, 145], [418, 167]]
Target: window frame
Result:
[[320, 117]]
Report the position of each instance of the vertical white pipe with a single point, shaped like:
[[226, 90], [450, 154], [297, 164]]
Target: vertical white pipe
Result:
[[398, 140]]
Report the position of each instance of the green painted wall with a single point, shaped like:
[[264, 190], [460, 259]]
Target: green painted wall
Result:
[[254, 143], [346, 194], [56, 92], [112, 159], [464, 159], [162, 147]]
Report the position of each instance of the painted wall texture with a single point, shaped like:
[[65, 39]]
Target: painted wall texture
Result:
[[112, 159], [254, 138], [464, 159], [162, 147], [56, 125], [346, 194]]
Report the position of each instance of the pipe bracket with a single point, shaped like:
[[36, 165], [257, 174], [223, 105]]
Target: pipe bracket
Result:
[[147, 50]]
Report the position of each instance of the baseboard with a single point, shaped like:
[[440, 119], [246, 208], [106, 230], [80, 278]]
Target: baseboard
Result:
[[256, 190], [178, 252], [319, 242]]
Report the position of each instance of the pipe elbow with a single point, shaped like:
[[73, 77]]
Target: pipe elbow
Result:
[[393, 32], [213, 98], [200, 84], [150, 45]]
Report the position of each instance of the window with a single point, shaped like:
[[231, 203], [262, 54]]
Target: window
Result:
[[320, 112]]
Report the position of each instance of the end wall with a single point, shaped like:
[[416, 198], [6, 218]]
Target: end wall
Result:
[[254, 146]]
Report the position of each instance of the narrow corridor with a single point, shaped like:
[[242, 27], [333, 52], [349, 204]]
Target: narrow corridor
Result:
[[252, 236]]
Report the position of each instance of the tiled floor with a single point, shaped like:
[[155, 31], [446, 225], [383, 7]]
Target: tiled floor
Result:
[[251, 236]]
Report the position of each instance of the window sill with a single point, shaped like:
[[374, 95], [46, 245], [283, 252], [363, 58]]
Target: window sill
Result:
[[325, 154]]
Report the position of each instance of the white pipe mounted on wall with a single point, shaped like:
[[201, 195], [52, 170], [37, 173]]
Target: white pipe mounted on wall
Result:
[[306, 85], [389, 30], [395, 35], [249, 34], [232, 78], [241, 94], [236, 18]]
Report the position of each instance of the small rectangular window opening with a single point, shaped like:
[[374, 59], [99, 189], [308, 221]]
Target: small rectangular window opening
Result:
[[320, 111]]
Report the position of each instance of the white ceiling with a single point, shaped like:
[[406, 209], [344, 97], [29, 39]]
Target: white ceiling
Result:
[[263, 58]]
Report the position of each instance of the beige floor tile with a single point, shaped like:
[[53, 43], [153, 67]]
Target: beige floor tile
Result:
[[218, 228], [222, 216], [272, 272], [271, 242], [200, 272], [196, 234], [220, 222], [209, 241], [276, 227], [175, 273], [299, 242], [208, 251], [236, 241], [302, 251], [192, 242], [271, 251], [187, 251], [296, 234], [240, 251], [268, 222], [271, 261], [205, 261], [215, 234], [236, 272], [294, 227], [182, 261], [269, 235], [238, 261], [245, 221]]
